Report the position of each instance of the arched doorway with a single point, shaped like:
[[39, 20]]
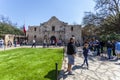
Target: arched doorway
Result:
[[53, 40]]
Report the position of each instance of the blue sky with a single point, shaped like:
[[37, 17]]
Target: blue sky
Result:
[[34, 12]]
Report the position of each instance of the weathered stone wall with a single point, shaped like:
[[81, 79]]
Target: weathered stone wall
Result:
[[62, 31]]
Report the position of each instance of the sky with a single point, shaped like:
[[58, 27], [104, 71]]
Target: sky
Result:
[[34, 12]]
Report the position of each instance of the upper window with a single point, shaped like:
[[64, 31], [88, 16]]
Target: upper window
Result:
[[72, 28], [35, 36], [53, 28], [35, 29], [73, 36]]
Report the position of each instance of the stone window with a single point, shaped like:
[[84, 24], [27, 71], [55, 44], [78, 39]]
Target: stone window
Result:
[[35, 29], [72, 28], [35, 36], [73, 36], [53, 28]]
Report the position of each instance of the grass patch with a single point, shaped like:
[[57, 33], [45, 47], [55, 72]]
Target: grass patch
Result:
[[29, 63]]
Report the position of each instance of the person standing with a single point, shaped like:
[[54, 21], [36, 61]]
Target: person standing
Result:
[[109, 49], [95, 46], [117, 49], [15, 42], [34, 43], [48, 42], [71, 52], [113, 47], [85, 53], [98, 47], [102, 44], [44, 43]]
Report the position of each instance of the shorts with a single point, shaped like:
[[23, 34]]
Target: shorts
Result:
[[71, 59]]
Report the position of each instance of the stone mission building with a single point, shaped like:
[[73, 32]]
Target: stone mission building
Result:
[[53, 29]]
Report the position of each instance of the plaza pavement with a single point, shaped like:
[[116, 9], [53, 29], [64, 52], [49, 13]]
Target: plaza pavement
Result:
[[18, 46], [25, 46], [100, 68]]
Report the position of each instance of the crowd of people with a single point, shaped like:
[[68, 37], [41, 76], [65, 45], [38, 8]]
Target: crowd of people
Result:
[[2, 43], [53, 42], [47, 43], [100, 47], [94, 46]]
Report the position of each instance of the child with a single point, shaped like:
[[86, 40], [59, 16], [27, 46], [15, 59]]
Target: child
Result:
[[85, 53]]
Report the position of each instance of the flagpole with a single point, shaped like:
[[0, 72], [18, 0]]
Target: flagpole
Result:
[[24, 29]]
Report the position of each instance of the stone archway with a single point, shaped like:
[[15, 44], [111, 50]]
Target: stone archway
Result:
[[53, 40]]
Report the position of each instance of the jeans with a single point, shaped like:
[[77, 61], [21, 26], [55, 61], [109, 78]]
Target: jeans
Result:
[[98, 51], [109, 52], [85, 60]]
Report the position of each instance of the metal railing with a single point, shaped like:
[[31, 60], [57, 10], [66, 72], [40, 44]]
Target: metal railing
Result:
[[56, 69]]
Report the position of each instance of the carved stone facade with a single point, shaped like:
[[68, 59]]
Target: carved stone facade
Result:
[[53, 29]]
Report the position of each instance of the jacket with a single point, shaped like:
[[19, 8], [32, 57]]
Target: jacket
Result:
[[71, 48]]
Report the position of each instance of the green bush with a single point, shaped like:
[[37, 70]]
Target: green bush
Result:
[[111, 36]]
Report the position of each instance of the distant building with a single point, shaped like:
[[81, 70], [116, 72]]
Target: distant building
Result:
[[53, 29], [11, 38]]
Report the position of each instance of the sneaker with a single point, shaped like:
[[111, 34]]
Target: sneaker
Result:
[[70, 73]]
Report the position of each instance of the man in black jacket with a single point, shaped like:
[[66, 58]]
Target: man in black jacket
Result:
[[71, 51]]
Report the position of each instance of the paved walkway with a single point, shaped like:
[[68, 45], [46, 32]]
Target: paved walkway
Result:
[[99, 69], [24, 46], [8, 48]]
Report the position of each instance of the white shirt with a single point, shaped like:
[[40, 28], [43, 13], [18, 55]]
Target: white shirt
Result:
[[33, 41]]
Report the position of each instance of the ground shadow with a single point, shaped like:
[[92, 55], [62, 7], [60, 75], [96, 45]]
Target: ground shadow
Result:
[[113, 60], [103, 58], [91, 58], [117, 63], [51, 75], [65, 76], [78, 67]]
